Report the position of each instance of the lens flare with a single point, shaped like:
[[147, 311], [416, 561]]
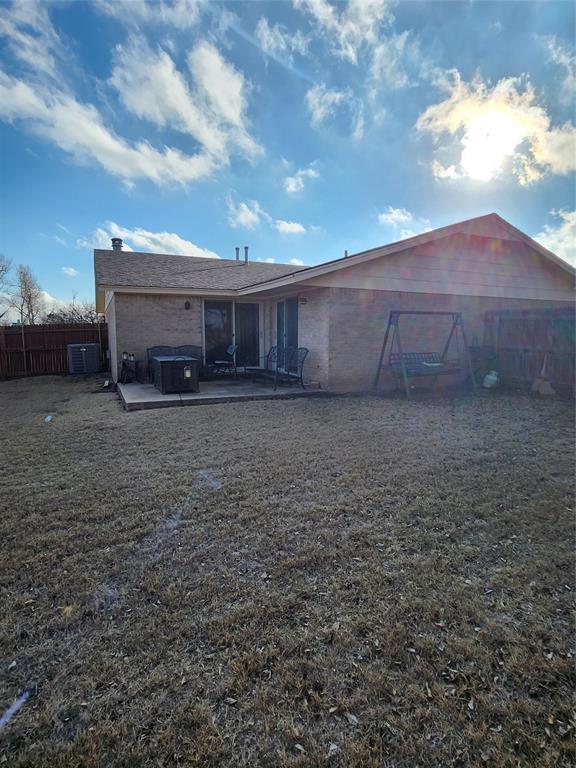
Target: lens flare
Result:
[[490, 139]]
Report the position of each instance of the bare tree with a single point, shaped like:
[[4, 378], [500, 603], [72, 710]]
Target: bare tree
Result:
[[5, 267], [26, 296], [75, 312]]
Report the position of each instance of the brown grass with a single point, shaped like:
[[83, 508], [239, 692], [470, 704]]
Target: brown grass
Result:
[[345, 582]]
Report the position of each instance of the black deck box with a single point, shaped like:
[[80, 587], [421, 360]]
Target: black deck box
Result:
[[168, 373]]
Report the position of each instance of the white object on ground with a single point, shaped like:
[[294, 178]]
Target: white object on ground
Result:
[[48, 419], [491, 380], [13, 708]]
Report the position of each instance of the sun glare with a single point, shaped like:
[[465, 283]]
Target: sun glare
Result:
[[491, 137]]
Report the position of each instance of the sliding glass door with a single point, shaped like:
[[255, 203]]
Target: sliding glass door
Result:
[[247, 333], [230, 322], [286, 325], [217, 329]]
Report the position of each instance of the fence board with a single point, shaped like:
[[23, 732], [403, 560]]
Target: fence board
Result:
[[46, 347], [521, 344]]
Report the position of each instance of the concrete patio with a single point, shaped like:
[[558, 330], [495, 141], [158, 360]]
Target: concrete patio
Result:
[[137, 396]]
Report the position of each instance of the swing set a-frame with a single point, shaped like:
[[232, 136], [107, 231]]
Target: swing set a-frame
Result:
[[409, 365]]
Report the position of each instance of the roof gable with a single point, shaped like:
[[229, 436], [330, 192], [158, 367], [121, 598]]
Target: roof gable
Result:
[[491, 226], [460, 265]]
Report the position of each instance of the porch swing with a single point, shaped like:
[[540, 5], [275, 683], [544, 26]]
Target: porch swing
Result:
[[409, 365]]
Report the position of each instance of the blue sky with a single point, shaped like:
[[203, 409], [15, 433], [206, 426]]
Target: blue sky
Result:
[[298, 128]]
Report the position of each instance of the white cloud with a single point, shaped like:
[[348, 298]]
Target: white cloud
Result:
[[358, 24], [564, 57], [295, 183], [404, 224], [79, 130], [278, 42], [30, 36], [444, 172], [211, 108], [560, 238], [392, 57], [289, 227], [143, 240], [358, 132], [51, 303], [394, 216], [497, 128], [212, 111], [150, 87], [322, 102], [181, 14], [249, 215], [555, 149], [357, 32], [244, 215], [297, 262], [70, 271], [224, 91]]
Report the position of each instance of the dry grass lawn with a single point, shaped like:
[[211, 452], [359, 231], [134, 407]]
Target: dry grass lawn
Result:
[[355, 582]]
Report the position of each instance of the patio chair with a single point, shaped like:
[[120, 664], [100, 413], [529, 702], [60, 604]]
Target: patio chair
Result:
[[268, 369], [226, 367], [190, 350], [292, 372], [284, 366]]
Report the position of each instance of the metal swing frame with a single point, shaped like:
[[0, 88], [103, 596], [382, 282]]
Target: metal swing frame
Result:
[[418, 364]]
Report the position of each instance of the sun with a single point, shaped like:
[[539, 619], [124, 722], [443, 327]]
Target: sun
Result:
[[491, 137]]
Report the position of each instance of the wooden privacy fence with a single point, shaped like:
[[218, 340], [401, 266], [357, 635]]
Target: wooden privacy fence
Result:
[[525, 344], [33, 350]]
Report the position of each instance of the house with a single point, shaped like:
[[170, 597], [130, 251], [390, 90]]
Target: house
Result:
[[337, 309]]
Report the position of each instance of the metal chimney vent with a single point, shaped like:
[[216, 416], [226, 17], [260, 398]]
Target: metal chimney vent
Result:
[[83, 358], [117, 243]]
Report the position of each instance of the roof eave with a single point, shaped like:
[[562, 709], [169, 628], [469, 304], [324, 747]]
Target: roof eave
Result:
[[166, 290]]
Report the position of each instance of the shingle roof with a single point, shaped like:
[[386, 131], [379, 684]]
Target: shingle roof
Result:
[[156, 270]]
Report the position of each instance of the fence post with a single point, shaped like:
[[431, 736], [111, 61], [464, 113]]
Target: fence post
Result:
[[23, 332]]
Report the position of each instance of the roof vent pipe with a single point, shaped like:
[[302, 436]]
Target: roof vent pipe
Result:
[[237, 253], [245, 254], [117, 243], [345, 254]]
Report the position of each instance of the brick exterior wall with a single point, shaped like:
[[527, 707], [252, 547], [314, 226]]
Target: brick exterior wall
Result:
[[313, 330], [144, 321], [268, 325], [358, 321], [343, 328]]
